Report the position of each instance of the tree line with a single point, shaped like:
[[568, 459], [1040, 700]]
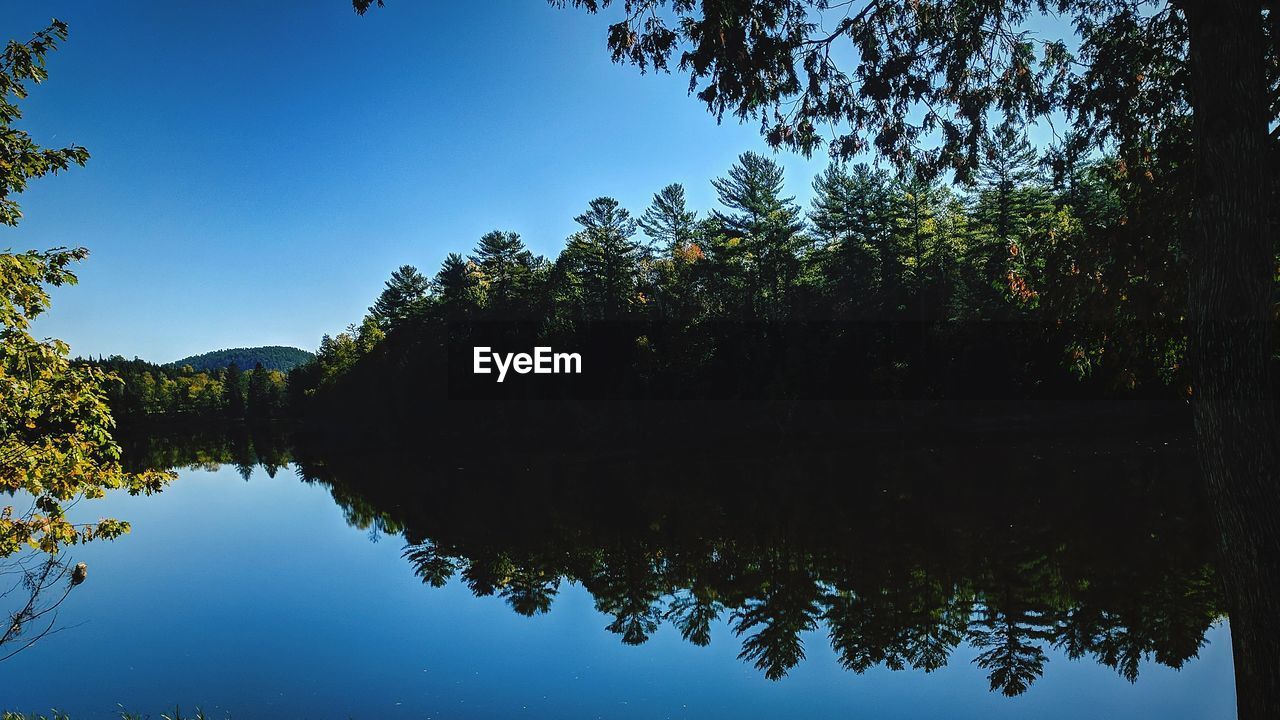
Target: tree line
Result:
[[1018, 284], [146, 389]]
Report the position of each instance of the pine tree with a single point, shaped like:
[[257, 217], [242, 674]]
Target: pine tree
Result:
[[603, 259], [233, 392], [1009, 169], [1009, 210], [767, 226], [852, 214], [258, 400], [668, 221], [506, 270], [670, 275], [456, 285], [404, 293]]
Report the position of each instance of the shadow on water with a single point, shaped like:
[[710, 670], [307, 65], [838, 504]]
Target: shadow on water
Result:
[[899, 550]]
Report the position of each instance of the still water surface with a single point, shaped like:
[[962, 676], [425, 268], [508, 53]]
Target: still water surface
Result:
[[269, 596]]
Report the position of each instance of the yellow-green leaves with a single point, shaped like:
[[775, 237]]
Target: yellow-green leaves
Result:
[[21, 159], [55, 426]]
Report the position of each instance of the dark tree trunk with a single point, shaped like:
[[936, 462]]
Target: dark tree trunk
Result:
[[1230, 333]]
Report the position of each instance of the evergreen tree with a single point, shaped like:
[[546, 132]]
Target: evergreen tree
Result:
[[1009, 210], [233, 392], [852, 214], [456, 286], [921, 236], [258, 399], [668, 221], [603, 260], [670, 279], [765, 228], [1009, 169], [403, 295], [506, 269]]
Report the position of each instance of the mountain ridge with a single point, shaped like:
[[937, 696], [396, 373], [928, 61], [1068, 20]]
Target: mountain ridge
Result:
[[272, 357]]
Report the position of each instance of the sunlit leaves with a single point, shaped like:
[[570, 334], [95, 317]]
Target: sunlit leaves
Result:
[[21, 159], [55, 426]]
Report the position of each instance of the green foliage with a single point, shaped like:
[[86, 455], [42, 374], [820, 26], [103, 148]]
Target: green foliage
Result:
[[456, 287], [272, 357], [233, 392], [758, 238], [55, 424], [209, 391], [897, 285], [883, 76], [599, 270], [21, 159], [505, 273], [853, 216], [668, 221], [403, 296], [266, 393], [148, 389]]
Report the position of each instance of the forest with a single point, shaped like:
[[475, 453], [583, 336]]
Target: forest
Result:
[[235, 383], [143, 389], [271, 357], [1046, 277], [1134, 257]]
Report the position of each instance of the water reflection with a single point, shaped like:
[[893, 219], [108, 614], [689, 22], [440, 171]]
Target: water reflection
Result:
[[899, 550]]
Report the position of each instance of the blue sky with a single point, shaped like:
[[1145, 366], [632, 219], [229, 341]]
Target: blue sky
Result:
[[260, 168]]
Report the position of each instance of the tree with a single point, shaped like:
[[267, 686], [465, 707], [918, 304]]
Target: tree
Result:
[[1010, 210], [506, 271], [21, 159], [55, 439], [604, 259], [1006, 182], [917, 82], [669, 277], [265, 391], [668, 221], [403, 294], [233, 392], [456, 285], [853, 213], [55, 425], [764, 225]]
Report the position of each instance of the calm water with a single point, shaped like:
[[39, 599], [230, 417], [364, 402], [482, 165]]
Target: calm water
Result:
[[331, 585]]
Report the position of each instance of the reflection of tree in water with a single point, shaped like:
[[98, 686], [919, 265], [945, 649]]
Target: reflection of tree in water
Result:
[[899, 555]]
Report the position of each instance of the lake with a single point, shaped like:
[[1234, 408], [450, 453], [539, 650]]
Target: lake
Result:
[[889, 578]]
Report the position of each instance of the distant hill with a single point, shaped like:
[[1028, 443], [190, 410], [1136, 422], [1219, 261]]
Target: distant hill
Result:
[[272, 357]]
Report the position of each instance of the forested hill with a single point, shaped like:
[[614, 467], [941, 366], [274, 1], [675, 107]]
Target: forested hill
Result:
[[272, 357]]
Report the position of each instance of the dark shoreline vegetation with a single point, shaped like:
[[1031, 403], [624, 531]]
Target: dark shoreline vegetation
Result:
[[898, 548], [903, 416], [889, 289]]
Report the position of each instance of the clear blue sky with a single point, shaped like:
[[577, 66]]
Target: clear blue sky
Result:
[[260, 168]]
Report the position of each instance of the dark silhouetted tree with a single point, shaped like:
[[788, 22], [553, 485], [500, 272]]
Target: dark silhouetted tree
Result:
[[402, 297], [233, 392]]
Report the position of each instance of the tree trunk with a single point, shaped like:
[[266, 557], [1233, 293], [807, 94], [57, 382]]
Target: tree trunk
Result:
[[1231, 283]]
